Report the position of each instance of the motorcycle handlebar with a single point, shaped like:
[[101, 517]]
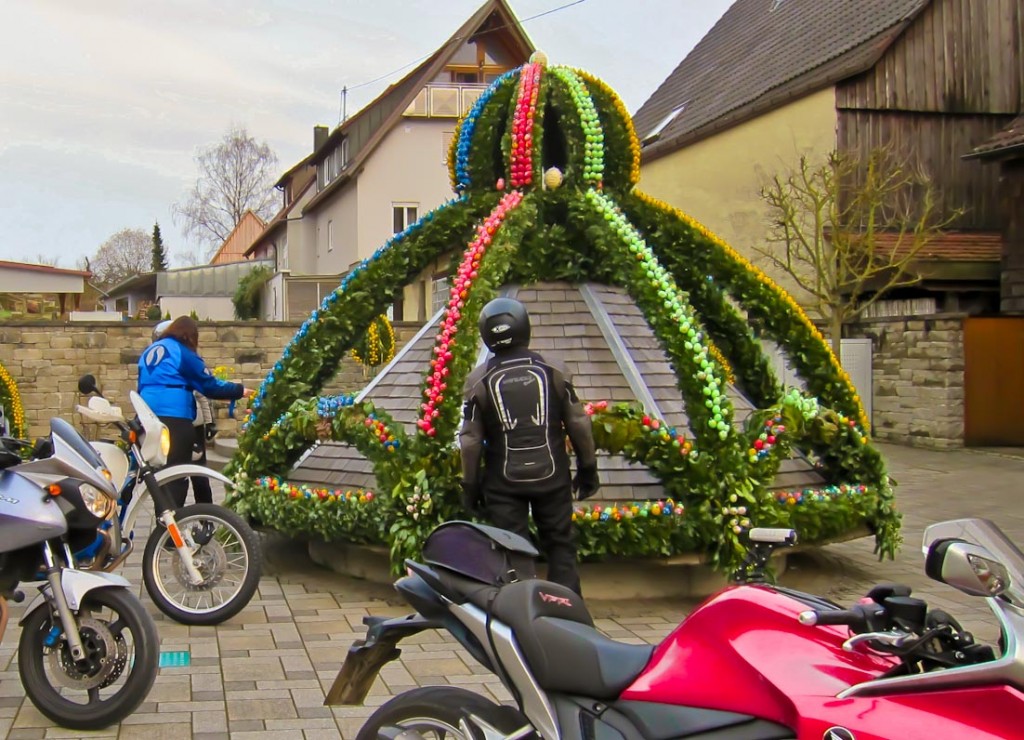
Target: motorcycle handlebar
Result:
[[857, 617]]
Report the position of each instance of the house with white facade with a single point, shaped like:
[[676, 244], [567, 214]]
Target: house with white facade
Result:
[[381, 170]]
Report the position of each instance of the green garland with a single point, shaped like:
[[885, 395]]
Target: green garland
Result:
[[577, 218]]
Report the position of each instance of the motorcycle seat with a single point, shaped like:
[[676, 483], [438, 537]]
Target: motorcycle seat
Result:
[[563, 649]]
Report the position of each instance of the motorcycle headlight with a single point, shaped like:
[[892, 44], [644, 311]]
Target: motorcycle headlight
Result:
[[165, 441], [97, 502]]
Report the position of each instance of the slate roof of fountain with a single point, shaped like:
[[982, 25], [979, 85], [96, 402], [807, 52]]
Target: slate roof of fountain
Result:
[[600, 335]]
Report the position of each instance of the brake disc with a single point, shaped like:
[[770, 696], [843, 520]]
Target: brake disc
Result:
[[106, 656], [210, 560]]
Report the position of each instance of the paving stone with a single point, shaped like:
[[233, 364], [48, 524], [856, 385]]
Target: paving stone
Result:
[[245, 725], [157, 718], [267, 708], [160, 732], [322, 734], [26, 733], [212, 721]]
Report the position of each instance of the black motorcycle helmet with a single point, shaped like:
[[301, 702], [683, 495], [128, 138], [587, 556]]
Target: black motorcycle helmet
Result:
[[504, 324]]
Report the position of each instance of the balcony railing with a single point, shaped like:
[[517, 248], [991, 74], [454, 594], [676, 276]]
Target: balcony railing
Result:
[[445, 100]]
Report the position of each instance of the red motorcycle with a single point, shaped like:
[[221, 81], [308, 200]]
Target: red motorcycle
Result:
[[754, 662]]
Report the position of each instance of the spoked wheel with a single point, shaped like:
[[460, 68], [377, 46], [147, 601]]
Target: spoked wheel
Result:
[[440, 713], [120, 664], [226, 553]]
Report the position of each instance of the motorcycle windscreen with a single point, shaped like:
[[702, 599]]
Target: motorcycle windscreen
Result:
[[79, 459], [987, 534], [27, 514]]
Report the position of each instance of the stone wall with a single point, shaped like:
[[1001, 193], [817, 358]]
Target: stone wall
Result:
[[918, 369], [46, 360]]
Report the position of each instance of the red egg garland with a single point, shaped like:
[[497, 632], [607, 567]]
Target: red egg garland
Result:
[[523, 125], [437, 379]]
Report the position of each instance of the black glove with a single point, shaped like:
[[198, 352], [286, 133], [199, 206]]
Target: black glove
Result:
[[210, 431], [471, 498], [586, 484]]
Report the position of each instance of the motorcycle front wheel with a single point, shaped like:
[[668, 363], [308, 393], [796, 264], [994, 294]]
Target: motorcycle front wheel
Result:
[[227, 554], [438, 712], [122, 657]]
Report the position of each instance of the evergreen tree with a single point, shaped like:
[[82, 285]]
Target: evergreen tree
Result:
[[159, 250]]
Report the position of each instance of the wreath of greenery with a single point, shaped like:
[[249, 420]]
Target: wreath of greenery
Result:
[[545, 165]]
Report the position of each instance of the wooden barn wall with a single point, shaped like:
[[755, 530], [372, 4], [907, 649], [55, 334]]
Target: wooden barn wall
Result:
[[937, 143], [958, 56]]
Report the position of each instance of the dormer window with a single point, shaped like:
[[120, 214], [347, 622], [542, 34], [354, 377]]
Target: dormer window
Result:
[[333, 164], [655, 132]]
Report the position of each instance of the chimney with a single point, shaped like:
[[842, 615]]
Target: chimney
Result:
[[320, 134]]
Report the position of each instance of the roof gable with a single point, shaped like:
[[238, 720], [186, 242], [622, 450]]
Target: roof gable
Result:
[[380, 116], [764, 53], [248, 228], [1009, 141]]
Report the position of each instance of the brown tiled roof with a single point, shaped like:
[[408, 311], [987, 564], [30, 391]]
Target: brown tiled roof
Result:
[[951, 246], [565, 328], [390, 106], [1010, 138], [764, 53], [49, 269], [278, 220]]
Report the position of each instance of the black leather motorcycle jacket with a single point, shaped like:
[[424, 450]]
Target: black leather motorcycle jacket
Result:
[[518, 410]]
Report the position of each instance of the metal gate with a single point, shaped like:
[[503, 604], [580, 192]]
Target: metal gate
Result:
[[994, 381], [856, 360]]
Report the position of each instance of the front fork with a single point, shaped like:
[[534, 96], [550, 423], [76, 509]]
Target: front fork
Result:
[[60, 603], [164, 506]]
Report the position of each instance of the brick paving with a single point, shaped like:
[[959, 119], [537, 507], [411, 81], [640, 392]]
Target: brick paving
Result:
[[263, 674]]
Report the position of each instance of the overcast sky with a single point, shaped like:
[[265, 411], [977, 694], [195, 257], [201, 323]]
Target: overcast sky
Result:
[[103, 103]]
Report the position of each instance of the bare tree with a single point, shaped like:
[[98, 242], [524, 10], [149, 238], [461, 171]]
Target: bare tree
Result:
[[235, 175], [127, 253], [848, 232], [45, 259]]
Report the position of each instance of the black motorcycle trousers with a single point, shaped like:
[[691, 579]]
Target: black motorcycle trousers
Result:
[[552, 513]]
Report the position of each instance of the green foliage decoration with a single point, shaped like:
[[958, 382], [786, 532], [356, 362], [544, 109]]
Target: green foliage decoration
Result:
[[580, 218]]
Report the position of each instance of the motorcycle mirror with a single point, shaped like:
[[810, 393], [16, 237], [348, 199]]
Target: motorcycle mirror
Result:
[[966, 567], [87, 385]]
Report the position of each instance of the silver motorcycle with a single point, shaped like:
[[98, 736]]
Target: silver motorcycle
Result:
[[202, 562], [89, 651]]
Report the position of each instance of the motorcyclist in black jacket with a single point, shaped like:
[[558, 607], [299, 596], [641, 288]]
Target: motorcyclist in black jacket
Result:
[[518, 410]]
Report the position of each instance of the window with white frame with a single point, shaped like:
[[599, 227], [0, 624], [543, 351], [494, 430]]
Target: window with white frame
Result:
[[403, 215], [343, 153], [330, 236], [438, 293]]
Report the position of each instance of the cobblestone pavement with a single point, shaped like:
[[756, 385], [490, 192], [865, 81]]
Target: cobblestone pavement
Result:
[[264, 673]]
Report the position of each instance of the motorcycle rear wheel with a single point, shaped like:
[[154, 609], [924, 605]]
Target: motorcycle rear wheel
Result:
[[436, 712], [120, 669], [228, 556]]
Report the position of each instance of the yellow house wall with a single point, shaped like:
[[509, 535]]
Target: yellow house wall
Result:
[[718, 180]]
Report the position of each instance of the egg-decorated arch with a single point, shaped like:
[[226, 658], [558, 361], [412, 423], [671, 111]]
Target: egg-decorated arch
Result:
[[545, 167]]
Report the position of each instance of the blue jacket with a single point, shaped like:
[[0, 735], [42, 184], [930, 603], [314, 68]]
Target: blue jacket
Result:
[[168, 374]]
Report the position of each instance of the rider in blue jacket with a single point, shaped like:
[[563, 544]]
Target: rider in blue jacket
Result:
[[170, 370]]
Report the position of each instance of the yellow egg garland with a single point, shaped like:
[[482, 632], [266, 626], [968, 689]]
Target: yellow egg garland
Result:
[[378, 346], [10, 399]]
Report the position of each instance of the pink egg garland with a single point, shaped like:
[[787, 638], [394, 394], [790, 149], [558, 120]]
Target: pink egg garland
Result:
[[436, 384], [522, 126]]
